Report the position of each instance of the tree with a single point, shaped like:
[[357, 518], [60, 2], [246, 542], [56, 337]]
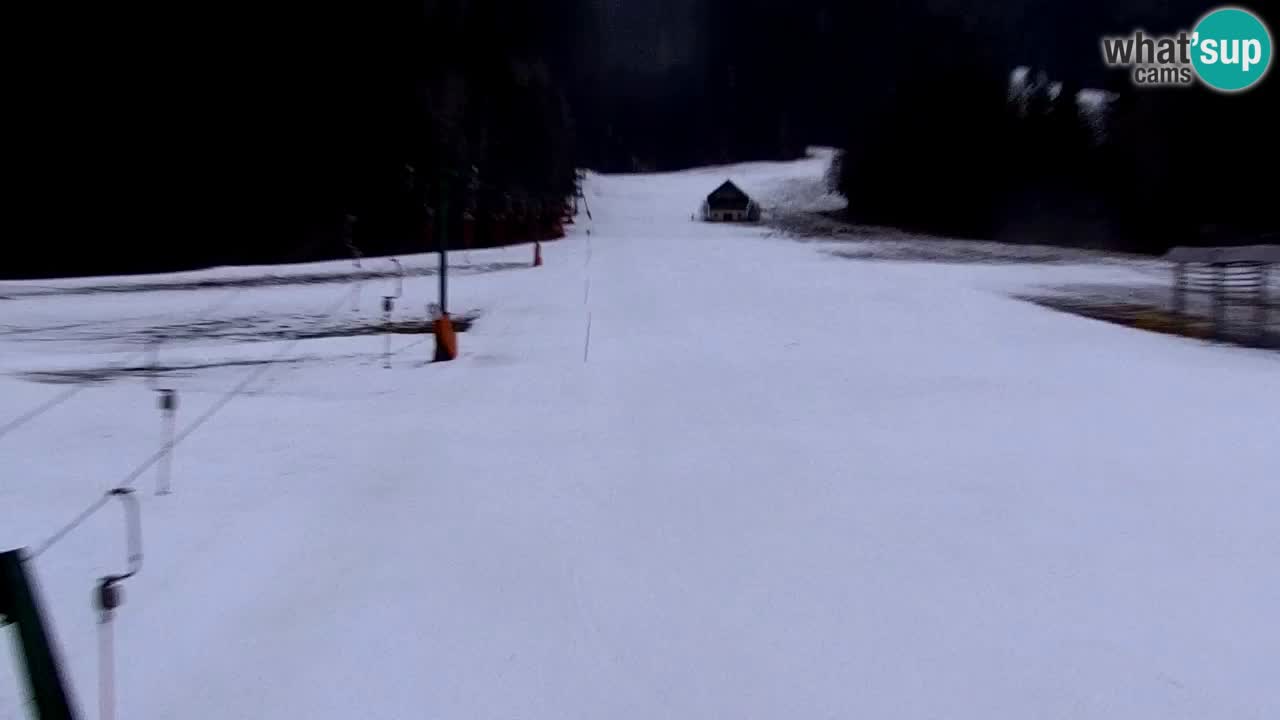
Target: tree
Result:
[[931, 131]]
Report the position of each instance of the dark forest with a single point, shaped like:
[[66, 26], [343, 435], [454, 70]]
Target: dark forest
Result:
[[150, 140]]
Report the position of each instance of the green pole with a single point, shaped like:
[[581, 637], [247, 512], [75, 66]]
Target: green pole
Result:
[[19, 606]]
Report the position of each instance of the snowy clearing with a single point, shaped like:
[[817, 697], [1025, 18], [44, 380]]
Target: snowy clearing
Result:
[[681, 471]]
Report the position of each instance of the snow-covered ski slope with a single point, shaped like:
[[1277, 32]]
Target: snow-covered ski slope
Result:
[[681, 471]]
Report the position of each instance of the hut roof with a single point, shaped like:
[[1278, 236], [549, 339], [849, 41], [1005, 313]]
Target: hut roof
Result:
[[728, 197]]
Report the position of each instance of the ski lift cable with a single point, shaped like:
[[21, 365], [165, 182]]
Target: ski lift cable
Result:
[[66, 395], [216, 305], [132, 477], [71, 392]]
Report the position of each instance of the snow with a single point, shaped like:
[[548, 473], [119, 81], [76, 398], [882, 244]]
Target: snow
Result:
[[768, 482], [1094, 100], [1091, 102]]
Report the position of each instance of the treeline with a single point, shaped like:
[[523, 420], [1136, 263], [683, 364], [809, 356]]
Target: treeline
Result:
[[952, 152], [255, 134], [917, 95], [481, 131], [672, 84], [252, 134]]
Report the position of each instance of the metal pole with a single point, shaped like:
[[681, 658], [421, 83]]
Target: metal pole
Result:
[[1263, 310], [166, 463], [386, 331], [1220, 302], [444, 246], [168, 419], [20, 607], [349, 237], [106, 669], [109, 597], [1179, 291], [153, 354]]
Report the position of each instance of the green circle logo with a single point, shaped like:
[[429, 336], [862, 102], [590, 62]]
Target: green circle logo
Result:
[[1231, 49]]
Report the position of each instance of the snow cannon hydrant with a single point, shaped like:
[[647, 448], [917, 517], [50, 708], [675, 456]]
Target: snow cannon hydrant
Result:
[[537, 254], [446, 338]]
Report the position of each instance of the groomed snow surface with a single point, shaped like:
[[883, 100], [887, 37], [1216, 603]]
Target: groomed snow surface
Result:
[[681, 471]]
